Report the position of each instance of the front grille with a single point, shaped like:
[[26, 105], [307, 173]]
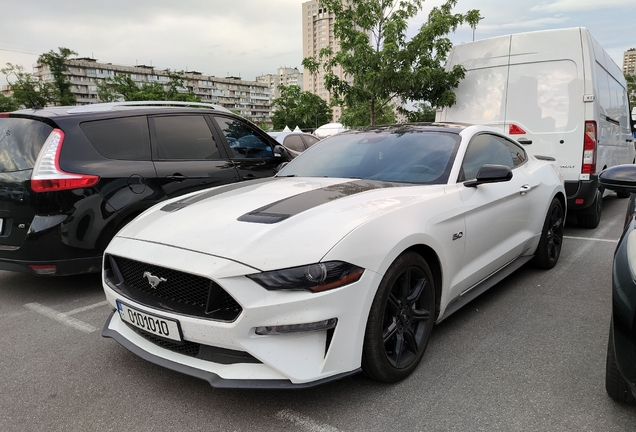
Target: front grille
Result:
[[174, 291]]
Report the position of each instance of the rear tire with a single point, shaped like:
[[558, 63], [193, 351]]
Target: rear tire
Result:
[[400, 321], [615, 385], [549, 248], [591, 216]]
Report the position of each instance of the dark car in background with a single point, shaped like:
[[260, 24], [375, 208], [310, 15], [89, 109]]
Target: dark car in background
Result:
[[71, 177], [620, 375]]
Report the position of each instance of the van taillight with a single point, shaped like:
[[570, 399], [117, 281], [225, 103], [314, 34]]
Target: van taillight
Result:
[[47, 175], [589, 148], [513, 129]]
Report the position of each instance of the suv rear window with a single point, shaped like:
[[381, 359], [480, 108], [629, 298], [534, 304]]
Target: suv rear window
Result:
[[20, 143], [121, 138]]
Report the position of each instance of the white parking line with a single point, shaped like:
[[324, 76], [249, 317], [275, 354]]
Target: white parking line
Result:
[[62, 317], [591, 239], [304, 422], [85, 308]]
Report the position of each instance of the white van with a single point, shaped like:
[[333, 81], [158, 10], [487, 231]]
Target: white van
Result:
[[558, 93]]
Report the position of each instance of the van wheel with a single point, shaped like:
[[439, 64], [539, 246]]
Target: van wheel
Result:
[[591, 216]]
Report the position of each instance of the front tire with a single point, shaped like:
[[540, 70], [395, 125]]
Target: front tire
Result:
[[400, 321], [549, 248]]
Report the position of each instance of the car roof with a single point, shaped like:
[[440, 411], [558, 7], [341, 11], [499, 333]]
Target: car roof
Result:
[[412, 127], [114, 109]]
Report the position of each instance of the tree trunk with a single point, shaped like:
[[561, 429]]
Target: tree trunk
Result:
[[372, 109]]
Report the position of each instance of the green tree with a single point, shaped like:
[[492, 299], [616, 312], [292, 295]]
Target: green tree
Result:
[[27, 90], [122, 86], [358, 115], [424, 112], [299, 108], [631, 89], [384, 66], [7, 104], [57, 63]]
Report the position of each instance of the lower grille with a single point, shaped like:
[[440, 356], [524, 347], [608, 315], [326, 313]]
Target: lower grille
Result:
[[203, 352], [190, 349], [170, 290]]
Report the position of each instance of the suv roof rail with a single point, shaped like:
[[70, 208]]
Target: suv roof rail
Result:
[[109, 106]]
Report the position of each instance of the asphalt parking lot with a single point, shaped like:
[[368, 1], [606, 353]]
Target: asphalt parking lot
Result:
[[529, 355]]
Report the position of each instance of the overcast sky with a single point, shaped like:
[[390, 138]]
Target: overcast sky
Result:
[[247, 38]]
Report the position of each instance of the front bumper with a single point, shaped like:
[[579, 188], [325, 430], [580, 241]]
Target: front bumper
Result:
[[195, 369], [284, 360]]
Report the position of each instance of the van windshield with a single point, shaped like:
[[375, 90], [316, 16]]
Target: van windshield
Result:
[[20, 143]]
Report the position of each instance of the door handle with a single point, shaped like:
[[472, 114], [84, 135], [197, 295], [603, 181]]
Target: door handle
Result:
[[524, 141], [177, 177], [524, 189]]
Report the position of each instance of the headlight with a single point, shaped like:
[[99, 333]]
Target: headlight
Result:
[[314, 277]]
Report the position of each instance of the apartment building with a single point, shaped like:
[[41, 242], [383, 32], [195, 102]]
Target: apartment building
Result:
[[251, 99], [629, 62], [285, 76], [318, 34]]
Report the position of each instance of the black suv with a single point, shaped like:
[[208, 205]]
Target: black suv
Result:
[[71, 177]]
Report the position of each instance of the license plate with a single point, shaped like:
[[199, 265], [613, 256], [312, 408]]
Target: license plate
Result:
[[159, 326]]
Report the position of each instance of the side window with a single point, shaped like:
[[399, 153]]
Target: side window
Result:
[[517, 152], [310, 140], [184, 138], [484, 149], [121, 138], [242, 140], [294, 142]]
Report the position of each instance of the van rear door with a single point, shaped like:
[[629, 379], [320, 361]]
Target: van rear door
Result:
[[544, 102]]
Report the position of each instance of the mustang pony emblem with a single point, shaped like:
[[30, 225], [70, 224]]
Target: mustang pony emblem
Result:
[[154, 280]]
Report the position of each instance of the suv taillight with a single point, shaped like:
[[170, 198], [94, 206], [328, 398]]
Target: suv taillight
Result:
[[48, 176], [589, 148]]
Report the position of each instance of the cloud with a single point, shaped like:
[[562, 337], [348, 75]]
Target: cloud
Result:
[[581, 5]]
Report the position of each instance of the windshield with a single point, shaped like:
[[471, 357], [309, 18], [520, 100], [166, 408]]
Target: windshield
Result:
[[414, 156]]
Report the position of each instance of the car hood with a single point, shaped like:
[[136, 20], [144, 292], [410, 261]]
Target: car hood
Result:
[[279, 221]]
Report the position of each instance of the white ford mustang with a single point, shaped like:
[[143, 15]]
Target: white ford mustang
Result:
[[342, 262]]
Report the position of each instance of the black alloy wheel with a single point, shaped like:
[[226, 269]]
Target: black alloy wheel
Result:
[[549, 248], [400, 321]]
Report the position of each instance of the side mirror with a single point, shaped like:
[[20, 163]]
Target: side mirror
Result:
[[619, 178], [281, 152], [490, 174]]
